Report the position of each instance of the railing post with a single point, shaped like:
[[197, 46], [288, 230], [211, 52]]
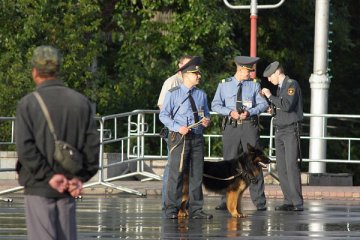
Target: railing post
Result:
[[101, 152]]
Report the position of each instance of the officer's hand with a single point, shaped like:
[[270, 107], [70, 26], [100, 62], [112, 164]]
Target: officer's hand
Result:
[[235, 115], [266, 92], [269, 110], [59, 182], [205, 122], [244, 115], [183, 130]]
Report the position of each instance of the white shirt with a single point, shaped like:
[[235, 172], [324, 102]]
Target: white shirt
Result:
[[173, 81]]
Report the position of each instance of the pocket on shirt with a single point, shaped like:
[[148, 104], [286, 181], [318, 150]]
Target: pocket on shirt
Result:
[[230, 100]]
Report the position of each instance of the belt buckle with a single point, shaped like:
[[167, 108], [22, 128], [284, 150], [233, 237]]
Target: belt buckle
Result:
[[239, 121]]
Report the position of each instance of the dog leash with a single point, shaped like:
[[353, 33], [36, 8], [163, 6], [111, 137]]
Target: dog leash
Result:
[[231, 177], [223, 179], [183, 149]]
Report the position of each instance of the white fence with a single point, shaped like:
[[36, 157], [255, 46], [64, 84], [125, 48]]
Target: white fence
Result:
[[135, 136]]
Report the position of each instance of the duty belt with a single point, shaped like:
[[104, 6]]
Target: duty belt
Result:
[[189, 135], [229, 121]]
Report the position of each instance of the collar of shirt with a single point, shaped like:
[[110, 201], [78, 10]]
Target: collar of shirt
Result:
[[48, 83], [236, 82], [186, 90]]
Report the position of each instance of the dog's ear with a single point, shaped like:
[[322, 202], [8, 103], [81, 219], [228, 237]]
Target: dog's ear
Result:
[[250, 148]]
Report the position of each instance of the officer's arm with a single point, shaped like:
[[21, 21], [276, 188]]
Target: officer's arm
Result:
[[261, 105], [218, 103], [166, 113], [206, 107]]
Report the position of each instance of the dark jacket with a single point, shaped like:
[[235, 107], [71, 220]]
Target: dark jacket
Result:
[[288, 103], [74, 123]]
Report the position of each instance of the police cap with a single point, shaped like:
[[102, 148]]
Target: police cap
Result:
[[192, 66], [246, 62], [269, 70], [46, 59]]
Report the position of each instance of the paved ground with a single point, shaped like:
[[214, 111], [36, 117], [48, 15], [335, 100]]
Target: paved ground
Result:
[[107, 213], [123, 216]]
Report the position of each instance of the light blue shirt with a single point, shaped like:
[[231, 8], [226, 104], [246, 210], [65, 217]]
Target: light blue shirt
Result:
[[177, 100], [226, 95]]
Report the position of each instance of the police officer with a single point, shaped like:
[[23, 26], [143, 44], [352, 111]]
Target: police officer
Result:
[[181, 113], [289, 113], [173, 81], [239, 101]]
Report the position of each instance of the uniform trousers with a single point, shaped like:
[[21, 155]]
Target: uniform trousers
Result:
[[165, 177], [50, 218], [241, 135], [187, 148], [287, 152]]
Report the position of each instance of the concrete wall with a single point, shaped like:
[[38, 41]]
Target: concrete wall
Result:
[[8, 161]]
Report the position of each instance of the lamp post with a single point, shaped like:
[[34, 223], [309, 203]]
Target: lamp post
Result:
[[253, 20]]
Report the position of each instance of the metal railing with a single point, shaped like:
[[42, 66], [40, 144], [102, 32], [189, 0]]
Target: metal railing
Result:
[[135, 136]]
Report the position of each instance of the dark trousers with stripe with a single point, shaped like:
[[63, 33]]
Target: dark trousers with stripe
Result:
[[287, 152], [236, 138], [191, 150]]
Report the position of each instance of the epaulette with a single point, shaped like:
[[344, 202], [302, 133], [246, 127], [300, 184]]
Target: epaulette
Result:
[[174, 88], [256, 80], [225, 80]]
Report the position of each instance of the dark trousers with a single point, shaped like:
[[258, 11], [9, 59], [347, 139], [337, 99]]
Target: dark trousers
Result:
[[50, 218], [241, 135], [287, 151], [185, 148]]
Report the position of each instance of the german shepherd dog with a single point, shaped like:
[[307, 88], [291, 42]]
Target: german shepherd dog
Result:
[[232, 177]]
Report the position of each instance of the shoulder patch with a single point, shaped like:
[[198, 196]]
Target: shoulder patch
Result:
[[290, 80], [174, 88], [291, 91]]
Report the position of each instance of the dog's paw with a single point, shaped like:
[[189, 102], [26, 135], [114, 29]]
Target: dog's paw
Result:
[[238, 215], [183, 213]]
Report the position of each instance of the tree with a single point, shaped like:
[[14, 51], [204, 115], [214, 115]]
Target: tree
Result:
[[71, 27]]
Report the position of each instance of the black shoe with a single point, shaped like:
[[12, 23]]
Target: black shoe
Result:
[[221, 206], [261, 208], [298, 208], [201, 215], [284, 207]]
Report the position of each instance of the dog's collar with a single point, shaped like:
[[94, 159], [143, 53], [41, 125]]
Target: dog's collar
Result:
[[247, 176]]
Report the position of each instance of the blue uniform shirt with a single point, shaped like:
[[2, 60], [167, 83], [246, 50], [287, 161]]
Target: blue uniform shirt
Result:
[[177, 98], [225, 97]]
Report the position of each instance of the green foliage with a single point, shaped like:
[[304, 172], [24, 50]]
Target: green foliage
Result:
[[74, 28], [118, 53]]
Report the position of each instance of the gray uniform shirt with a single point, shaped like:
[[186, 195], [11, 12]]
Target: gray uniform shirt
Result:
[[288, 103]]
